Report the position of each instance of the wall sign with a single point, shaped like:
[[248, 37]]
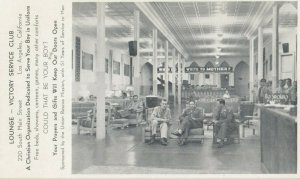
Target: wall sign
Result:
[[208, 69], [198, 69], [277, 98]]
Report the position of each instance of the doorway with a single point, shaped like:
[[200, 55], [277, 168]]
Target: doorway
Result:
[[241, 79], [146, 79], [224, 80]]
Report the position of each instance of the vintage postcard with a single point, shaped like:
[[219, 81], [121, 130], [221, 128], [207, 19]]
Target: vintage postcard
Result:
[[149, 89]]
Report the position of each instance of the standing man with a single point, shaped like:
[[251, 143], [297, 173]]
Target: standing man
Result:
[[262, 91], [191, 118], [293, 93], [160, 117], [281, 88], [224, 123]]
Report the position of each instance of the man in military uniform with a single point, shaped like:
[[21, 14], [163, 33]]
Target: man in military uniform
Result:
[[224, 123], [191, 118], [160, 117], [133, 109], [262, 91]]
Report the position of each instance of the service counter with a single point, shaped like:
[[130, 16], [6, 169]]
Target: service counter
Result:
[[278, 132]]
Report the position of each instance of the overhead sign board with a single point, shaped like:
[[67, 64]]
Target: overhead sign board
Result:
[[199, 69]]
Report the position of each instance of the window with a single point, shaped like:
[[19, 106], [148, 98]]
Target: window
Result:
[[116, 67], [126, 70], [206, 76], [192, 76]]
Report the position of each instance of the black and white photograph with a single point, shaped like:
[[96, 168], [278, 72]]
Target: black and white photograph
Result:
[[184, 87]]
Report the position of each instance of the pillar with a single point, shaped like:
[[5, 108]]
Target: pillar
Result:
[[275, 48], [154, 43], [167, 70], [100, 71], [137, 69], [251, 70], [231, 79], [260, 54], [179, 81], [174, 75]]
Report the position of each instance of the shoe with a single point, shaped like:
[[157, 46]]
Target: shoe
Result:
[[221, 144], [163, 142], [177, 133], [152, 140], [183, 142]]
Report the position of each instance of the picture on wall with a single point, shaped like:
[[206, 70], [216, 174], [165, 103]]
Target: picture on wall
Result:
[[87, 61], [116, 68], [126, 70]]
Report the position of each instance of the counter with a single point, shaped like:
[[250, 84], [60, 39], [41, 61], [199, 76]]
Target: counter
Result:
[[278, 141]]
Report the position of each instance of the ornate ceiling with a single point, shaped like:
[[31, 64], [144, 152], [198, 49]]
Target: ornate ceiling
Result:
[[197, 29]]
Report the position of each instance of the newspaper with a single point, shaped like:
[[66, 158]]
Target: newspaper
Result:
[[38, 75]]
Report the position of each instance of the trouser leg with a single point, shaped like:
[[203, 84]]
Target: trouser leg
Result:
[[222, 131], [154, 126], [163, 130], [185, 128]]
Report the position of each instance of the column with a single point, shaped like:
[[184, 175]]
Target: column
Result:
[[137, 69], [275, 42], [154, 43], [110, 69], [167, 70], [260, 54], [100, 71], [218, 80], [179, 82], [231, 79], [173, 75], [251, 70]]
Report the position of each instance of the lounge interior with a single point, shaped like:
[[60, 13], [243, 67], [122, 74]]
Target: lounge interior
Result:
[[181, 51]]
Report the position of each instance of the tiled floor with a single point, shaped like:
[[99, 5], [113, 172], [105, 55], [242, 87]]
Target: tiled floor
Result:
[[124, 152]]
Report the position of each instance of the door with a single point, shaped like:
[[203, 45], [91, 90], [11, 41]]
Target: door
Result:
[[224, 80]]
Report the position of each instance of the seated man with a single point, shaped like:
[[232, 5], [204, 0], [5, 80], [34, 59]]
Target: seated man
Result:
[[224, 122], [134, 108], [191, 118], [226, 95], [160, 117]]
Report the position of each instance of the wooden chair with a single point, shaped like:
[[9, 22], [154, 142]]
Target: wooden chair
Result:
[[146, 132], [233, 136], [196, 134], [84, 114], [247, 117]]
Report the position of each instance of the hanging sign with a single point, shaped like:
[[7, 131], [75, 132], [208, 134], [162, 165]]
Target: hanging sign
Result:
[[207, 69], [163, 69]]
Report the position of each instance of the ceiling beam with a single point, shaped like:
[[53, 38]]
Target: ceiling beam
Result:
[[259, 19], [156, 20]]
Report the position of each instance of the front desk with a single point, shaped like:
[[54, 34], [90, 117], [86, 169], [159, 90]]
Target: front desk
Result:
[[278, 141]]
